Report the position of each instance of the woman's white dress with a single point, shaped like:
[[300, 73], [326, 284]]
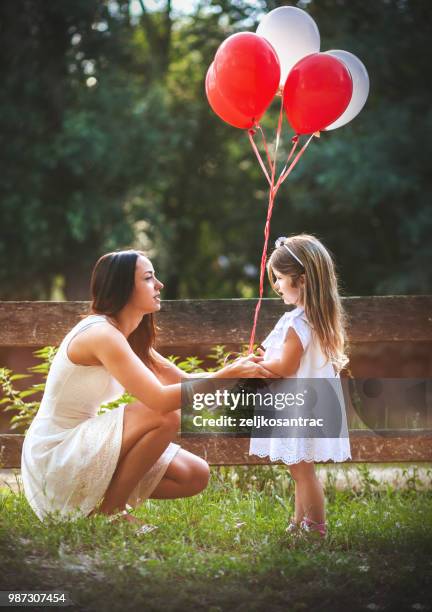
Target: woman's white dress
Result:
[[313, 364], [70, 452]]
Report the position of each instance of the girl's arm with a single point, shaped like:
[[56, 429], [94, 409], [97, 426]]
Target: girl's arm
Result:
[[289, 361]]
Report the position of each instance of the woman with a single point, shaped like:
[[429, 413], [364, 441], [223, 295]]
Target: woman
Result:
[[76, 462]]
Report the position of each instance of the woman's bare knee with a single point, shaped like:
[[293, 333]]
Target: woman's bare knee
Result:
[[199, 475], [190, 471]]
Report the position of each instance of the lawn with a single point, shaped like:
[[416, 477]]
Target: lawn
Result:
[[227, 550]]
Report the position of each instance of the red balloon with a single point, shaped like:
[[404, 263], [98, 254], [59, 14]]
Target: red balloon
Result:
[[317, 91], [247, 73], [221, 107]]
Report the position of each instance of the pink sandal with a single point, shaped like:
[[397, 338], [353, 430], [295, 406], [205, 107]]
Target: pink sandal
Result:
[[312, 527], [293, 527]]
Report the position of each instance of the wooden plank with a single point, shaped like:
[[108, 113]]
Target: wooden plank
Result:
[[398, 446], [10, 450], [193, 323]]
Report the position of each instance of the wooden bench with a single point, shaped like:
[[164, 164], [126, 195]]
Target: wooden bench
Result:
[[192, 324]]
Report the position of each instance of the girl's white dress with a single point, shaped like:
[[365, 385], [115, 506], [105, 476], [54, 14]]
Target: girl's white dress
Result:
[[313, 364], [70, 452]]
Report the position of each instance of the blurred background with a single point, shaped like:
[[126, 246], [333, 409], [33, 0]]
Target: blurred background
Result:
[[108, 142]]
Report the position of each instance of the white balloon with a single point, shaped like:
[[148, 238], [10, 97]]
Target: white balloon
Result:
[[360, 92], [292, 33]]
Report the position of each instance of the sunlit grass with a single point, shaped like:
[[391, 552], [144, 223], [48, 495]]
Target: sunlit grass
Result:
[[227, 549]]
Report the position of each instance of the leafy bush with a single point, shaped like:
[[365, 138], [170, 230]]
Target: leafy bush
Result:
[[15, 400]]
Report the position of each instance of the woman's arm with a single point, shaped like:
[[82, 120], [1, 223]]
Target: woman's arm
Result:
[[289, 361], [243, 367], [111, 348], [167, 371]]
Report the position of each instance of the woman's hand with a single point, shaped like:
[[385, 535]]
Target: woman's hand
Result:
[[251, 366]]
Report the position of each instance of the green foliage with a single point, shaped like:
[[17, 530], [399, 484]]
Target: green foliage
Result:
[[109, 141], [189, 364], [15, 400]]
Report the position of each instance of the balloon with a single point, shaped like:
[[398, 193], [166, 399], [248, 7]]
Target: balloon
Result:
[[317, 91], [221, 107], [292, 33], [360, 80], [247, 72]]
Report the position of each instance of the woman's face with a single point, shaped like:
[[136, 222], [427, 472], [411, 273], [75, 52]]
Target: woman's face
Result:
[[285, 286], [146, 293]]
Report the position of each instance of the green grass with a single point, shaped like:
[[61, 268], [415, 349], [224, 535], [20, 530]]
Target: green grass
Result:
[[226, 550]]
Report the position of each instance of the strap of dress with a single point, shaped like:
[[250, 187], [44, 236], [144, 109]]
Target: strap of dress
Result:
[[75, 332]]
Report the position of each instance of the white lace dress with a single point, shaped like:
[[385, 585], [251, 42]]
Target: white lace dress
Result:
[[313, 364], [70, 452]]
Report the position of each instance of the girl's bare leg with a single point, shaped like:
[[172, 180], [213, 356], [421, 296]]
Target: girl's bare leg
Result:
[[309, 492], [299, 510]]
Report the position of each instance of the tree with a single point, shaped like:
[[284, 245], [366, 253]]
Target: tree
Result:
[[110, 142]]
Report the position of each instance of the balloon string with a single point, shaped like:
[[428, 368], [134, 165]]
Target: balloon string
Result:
[[272, 194], [295, 141], [269, 159], [279, 127], [262, 267], [285, 173], [251, 134]]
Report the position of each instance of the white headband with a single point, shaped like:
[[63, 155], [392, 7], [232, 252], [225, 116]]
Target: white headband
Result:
[[281, 242]]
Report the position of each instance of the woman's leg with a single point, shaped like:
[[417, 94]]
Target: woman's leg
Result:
[[186, 475], [310, 500], [146, 434]]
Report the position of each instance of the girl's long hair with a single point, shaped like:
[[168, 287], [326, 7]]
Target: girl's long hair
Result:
[[320, 295], [112, 282]]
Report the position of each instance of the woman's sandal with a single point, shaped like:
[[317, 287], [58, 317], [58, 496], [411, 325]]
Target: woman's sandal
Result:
[[142, 530], [118, 515]]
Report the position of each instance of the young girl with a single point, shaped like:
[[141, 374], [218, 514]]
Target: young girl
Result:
[[307, 342]]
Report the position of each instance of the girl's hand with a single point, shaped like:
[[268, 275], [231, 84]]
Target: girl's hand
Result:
[[260, 352]]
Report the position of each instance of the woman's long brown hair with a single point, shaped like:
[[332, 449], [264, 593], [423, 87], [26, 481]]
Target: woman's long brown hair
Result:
[[320, 297], [112, 283]]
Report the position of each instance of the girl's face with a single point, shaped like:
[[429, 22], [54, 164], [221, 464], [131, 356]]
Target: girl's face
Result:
[[285, 286], [146, 293]]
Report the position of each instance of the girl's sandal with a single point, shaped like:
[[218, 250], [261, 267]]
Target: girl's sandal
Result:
[[293, 528], [318, 531]]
